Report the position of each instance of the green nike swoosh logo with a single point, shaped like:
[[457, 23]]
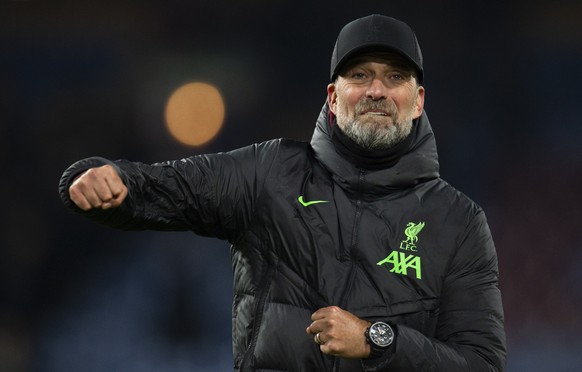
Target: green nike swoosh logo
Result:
[[307, 204]]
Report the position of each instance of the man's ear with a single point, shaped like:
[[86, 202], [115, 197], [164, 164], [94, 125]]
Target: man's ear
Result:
[[419, 105], [331, 97]]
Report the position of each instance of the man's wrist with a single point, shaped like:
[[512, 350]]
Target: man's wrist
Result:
[[380, 338]]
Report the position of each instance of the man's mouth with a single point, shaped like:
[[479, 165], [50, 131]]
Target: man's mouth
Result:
[[377, 113]]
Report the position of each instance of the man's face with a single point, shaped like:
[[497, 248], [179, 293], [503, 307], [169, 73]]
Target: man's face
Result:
[[375, 98]]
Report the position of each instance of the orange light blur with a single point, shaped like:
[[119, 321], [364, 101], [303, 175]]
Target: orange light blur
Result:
[[195, 113]]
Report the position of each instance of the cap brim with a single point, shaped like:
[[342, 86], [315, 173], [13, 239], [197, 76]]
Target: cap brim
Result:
[[374, 47]]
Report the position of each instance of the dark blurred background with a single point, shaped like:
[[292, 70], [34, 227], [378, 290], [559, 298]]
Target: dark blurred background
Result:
[[79, 79]]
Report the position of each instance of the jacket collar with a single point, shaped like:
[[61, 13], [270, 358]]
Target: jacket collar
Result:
[[415, 164]]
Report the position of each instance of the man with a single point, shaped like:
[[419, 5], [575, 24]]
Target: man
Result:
[[349, 253]]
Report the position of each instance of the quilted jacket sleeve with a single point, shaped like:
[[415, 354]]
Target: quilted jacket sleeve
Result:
[[212, 195], [470, 334]]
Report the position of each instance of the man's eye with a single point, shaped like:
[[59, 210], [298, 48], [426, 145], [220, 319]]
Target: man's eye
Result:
[[397, 77], [358, 75]]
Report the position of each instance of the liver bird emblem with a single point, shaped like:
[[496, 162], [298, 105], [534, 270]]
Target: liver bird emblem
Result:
[[412, 231]]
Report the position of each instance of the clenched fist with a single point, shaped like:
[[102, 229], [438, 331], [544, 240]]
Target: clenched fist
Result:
[[339, 333], [98, 188]]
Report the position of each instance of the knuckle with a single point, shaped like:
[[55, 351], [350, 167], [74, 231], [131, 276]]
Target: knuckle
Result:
[[107, 168], [90, 173], [75, 194], [74, 191]]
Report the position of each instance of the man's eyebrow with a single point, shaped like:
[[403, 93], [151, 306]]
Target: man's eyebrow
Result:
[[398, 67]]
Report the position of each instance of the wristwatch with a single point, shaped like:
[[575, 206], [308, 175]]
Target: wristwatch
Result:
[[380, 336]]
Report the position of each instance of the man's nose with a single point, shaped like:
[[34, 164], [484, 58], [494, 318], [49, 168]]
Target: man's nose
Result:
[[376, 90]]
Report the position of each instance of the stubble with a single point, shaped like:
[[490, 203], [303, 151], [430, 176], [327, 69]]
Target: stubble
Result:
[[376, 132]]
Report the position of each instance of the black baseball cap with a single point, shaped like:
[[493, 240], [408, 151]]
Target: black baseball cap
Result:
[[376, 33]]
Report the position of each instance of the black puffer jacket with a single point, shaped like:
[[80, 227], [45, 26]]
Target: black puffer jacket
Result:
[[309, 229]]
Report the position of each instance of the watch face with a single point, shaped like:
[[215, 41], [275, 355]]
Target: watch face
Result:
[[381, 334]]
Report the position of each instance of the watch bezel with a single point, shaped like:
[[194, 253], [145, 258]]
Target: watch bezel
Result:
[[381, 334]]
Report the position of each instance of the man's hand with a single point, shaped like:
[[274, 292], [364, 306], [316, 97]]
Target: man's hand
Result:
[[98, 188], [341, 333]]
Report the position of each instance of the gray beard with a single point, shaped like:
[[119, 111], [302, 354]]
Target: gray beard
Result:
[[373, 136]]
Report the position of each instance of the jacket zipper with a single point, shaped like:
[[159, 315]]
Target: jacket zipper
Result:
[[353, 247]]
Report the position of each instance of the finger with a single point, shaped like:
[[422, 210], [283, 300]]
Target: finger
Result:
[[113, 180], [329, 349], [318, 339], [103, 192], [118, 191], [314, 328], [115, 190], [85, 198], [329, 345], [83, 193], [321, 313], [108, 185], [99, 195], [79, 199]]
